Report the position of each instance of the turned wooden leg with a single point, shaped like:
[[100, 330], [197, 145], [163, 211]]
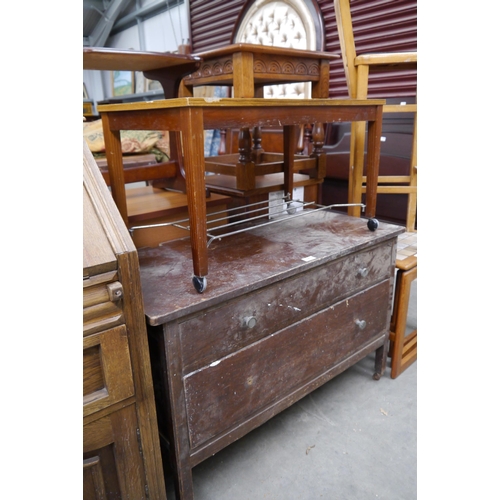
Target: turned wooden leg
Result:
[[257, 144], [245, 168]]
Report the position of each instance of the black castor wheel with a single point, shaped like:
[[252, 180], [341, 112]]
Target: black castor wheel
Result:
[[200, 283], [372, 224]]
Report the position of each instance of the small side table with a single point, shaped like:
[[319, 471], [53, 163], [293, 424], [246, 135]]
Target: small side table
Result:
[[248, 68]]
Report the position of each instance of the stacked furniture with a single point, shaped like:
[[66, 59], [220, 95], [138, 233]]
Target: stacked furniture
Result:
[[292, 302], [163, 200], [249, 68]]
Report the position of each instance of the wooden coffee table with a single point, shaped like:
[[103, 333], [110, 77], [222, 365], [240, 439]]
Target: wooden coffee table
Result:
[[190, 116]]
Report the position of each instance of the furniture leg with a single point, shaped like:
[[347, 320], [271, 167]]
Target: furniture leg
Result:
[[174, 417], [245, 168], [194, 161], [372, 163], [403, 348], [289, 145], [381, 360], [243, 74], [114, 158], [412, 196], [356, 161]]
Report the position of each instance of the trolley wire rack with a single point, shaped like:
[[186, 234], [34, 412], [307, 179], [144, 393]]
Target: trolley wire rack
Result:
[[248, 217]]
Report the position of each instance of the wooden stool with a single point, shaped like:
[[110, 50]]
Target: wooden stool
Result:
[[403, 348]]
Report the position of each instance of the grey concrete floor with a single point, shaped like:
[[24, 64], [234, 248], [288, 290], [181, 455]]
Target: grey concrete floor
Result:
[[354, 438]]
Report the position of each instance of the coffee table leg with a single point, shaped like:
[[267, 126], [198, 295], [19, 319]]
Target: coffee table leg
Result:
[[194, 164], [372, 162], [114, 158]]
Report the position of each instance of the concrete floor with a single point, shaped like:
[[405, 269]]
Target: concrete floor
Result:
[[354, 438]]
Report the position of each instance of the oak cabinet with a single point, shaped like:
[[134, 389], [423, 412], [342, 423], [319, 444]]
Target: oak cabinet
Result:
[[121, 454]]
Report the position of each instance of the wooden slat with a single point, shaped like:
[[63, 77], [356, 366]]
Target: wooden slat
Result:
[[392, 179], [396, 108], [393, 189]]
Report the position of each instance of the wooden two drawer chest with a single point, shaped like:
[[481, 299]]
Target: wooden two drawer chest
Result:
[[289, 307]]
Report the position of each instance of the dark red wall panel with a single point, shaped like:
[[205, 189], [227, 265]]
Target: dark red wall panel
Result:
[[379, 26]]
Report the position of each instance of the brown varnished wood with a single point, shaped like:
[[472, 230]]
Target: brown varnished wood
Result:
[[114, 369], [146, 203], [225, 332], [165, 67], [247, 67], [403, 348], [289, 145], [306, 283], [98, 255], [264, 184], [120, 435], [223, 395], [162, 275], [112, 441], [191, 116], [140, 173]]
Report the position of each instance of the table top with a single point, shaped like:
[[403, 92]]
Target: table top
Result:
[[247, 261], [265, 49], [130, 60], [233, 102]]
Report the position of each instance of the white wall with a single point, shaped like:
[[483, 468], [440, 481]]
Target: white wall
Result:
[[162, 33]]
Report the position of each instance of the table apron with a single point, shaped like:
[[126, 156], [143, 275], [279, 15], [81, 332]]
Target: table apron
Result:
[[225, 117]]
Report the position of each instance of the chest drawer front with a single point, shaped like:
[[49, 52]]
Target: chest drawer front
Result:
[[240, 322], [222, 395], [102, 303], [107, 371]]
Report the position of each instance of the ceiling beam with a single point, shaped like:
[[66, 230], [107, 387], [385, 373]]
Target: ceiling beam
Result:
[[103, 28]]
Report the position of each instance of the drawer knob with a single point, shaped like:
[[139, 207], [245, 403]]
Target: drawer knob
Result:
[[361, 323], [363, 272], [249, 321], [115, 291]]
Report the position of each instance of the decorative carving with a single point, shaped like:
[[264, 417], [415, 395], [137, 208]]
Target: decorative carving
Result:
[[274, 67], [301, 69], [259, 66], [206, 70], [217, 69], [314, 69]]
